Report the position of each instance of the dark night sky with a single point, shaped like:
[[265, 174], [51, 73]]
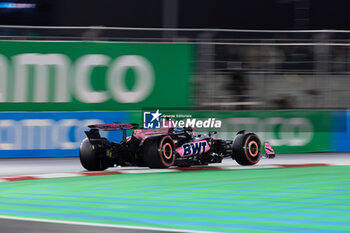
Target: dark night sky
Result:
[[249, 14]]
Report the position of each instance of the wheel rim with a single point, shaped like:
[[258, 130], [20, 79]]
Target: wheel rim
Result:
[[253, 148], [167, 151]]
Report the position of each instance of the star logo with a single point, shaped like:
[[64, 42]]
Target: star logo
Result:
[[151, 120], [155, 115]]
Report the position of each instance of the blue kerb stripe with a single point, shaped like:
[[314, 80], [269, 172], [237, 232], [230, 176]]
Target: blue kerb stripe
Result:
[[195, 215], [232, 208], [183, 198], [160, 222]]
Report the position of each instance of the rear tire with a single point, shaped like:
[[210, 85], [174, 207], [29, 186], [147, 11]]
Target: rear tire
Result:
[[246, 148], [89, 157], [159, 151]]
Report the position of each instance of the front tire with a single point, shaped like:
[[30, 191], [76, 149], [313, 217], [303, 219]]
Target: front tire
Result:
[[246, 148], [159, 151], [89, 158]]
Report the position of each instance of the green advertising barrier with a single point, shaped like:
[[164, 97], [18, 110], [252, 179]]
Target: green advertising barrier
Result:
[[66, 76], [288, 131]]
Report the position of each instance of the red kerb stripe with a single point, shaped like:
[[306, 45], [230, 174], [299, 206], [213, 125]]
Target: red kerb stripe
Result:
[[18, 178], [100, 173]]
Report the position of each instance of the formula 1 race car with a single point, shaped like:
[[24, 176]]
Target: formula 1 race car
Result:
[[165, 147]]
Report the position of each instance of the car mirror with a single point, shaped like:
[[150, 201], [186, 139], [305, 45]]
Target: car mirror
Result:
[[212, 133]]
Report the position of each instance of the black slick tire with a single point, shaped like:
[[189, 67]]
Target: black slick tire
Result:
[[246, 148], [89, 157], [159, 151]]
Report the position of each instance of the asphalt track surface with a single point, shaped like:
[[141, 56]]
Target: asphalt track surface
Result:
[[22, 226], [310, 199], [33, 166]]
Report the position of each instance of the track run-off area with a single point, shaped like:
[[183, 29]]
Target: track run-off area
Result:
[[293, 193]]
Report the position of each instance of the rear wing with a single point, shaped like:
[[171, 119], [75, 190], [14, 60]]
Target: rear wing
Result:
[[94, 135], [115, 126]]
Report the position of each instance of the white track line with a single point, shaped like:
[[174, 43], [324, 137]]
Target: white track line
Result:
[[148, 171], [338, 163], [103, 225], [250, 167], [56, 175]]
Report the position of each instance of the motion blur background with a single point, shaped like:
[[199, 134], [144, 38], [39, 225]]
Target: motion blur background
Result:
[[240, 58], [279, 68], [308, 67]]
